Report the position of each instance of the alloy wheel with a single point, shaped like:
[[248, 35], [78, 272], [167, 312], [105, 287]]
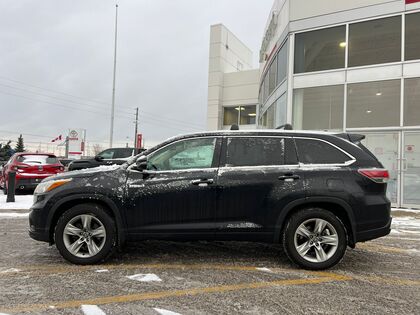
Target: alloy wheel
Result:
[[84, 236], [316, 240]]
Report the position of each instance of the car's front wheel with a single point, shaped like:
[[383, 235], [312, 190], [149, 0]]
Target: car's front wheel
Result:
[[315, 239], [85, 234]]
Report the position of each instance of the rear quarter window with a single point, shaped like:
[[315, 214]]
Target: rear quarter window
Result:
[[312, 151]]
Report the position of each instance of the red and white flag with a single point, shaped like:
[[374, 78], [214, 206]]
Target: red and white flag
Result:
[[57, 139]]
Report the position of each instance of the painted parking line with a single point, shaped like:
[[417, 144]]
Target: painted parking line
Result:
[[40, 270], [326, 277]]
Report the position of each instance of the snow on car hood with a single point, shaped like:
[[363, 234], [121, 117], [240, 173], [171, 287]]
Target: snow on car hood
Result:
[[86, 172]]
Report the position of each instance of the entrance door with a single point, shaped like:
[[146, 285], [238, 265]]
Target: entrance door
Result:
[[385, 147], [410, 169]]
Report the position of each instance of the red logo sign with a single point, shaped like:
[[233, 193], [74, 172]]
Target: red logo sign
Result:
[[411, 1], [139, 141]]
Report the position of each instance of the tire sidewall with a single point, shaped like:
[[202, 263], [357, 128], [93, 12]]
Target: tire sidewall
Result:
[[101, 215], [312, 213]]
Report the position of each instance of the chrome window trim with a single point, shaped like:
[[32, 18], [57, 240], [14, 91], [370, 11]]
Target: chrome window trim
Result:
[[347, 163]]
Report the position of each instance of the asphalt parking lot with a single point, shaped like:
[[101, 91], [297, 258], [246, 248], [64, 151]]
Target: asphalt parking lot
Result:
[[154, 277]]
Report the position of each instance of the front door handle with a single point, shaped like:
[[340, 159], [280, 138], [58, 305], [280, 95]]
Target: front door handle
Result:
[[202, 182], [289, 177]]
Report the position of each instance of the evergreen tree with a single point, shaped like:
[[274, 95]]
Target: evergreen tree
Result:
[[6, 150], [20, 147]]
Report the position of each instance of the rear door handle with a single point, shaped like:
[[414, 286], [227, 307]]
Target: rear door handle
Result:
[[202, 182], [289, 177]]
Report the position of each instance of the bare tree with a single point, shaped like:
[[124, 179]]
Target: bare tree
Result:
[[97, 148]]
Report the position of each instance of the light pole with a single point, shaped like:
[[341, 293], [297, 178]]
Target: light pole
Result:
[[113, 81]]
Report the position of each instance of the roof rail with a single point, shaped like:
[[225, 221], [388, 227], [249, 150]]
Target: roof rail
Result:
[[285, 127]]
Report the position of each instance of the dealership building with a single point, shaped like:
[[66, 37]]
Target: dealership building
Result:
[[338, 65]]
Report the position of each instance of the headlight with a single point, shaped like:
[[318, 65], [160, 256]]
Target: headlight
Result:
[[50, 185]]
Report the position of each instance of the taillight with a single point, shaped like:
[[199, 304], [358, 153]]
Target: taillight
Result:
[[378, 175]]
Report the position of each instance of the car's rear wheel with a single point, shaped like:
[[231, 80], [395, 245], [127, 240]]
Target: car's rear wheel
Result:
[[315, 239], [85, 234]]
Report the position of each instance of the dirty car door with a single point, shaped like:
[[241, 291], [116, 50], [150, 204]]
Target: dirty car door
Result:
[[177, 192]]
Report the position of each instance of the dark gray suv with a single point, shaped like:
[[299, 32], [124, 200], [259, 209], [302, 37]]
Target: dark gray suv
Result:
[[315, 193]]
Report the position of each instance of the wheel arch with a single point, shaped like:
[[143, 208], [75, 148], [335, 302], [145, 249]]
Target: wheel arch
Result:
[[68, 202], [337, 206]]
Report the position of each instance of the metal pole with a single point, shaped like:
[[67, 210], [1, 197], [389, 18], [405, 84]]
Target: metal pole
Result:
[[113, 80], [11, 186], [136, 127]]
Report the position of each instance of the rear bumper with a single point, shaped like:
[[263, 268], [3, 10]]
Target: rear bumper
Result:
[[367, 235], [27, 183]]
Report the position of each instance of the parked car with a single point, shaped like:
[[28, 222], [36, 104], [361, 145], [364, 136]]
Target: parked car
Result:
[[107, 157], [30, 168], [314, 193]]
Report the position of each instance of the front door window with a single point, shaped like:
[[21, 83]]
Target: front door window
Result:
[[182, 155]]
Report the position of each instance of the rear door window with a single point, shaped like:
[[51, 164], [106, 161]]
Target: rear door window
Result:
[[123, 153], [259, 151], [312, 151]]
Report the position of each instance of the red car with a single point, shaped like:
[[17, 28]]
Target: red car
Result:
[[30, 169]]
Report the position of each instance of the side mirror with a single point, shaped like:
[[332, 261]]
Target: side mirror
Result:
[[99, 158], [141, 163]]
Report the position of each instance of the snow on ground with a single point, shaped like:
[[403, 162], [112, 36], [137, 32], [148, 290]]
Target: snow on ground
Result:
[[21, 202], [144, 277]]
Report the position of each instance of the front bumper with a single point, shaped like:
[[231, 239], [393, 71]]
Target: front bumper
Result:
[[367, 235]]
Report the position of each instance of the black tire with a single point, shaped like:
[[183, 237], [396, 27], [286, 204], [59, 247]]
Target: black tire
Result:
[[99, 214], [306, 215]]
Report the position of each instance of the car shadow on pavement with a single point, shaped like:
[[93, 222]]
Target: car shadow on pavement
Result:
[[212, 252]]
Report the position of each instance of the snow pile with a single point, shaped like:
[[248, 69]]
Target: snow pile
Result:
[[409, 225], [144, 277], [21, 202]]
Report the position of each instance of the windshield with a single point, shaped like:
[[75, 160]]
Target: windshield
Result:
[[37, 159]]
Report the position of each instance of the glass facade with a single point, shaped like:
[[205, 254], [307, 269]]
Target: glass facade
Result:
[[374, 104], [320, 50], [276, 73], [282, 62], [382, 102], [412, 36], [412, 102], [376, 41], [240, 115], [318, 108]]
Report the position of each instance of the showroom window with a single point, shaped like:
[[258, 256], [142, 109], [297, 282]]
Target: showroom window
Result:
[[320, 50], [412, 36], [374, 42], [412, 102], [281, 109], [272, 74], [282, 63], [318, 108], [239, 115], [373, 104]]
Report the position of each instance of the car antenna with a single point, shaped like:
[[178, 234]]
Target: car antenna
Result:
[[285, 127], [234, 127]]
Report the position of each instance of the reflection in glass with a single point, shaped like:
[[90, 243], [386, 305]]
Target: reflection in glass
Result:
[[373, 42], [320, 50], [412, 36], [318, 108], [373, 104], [412, 102]]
